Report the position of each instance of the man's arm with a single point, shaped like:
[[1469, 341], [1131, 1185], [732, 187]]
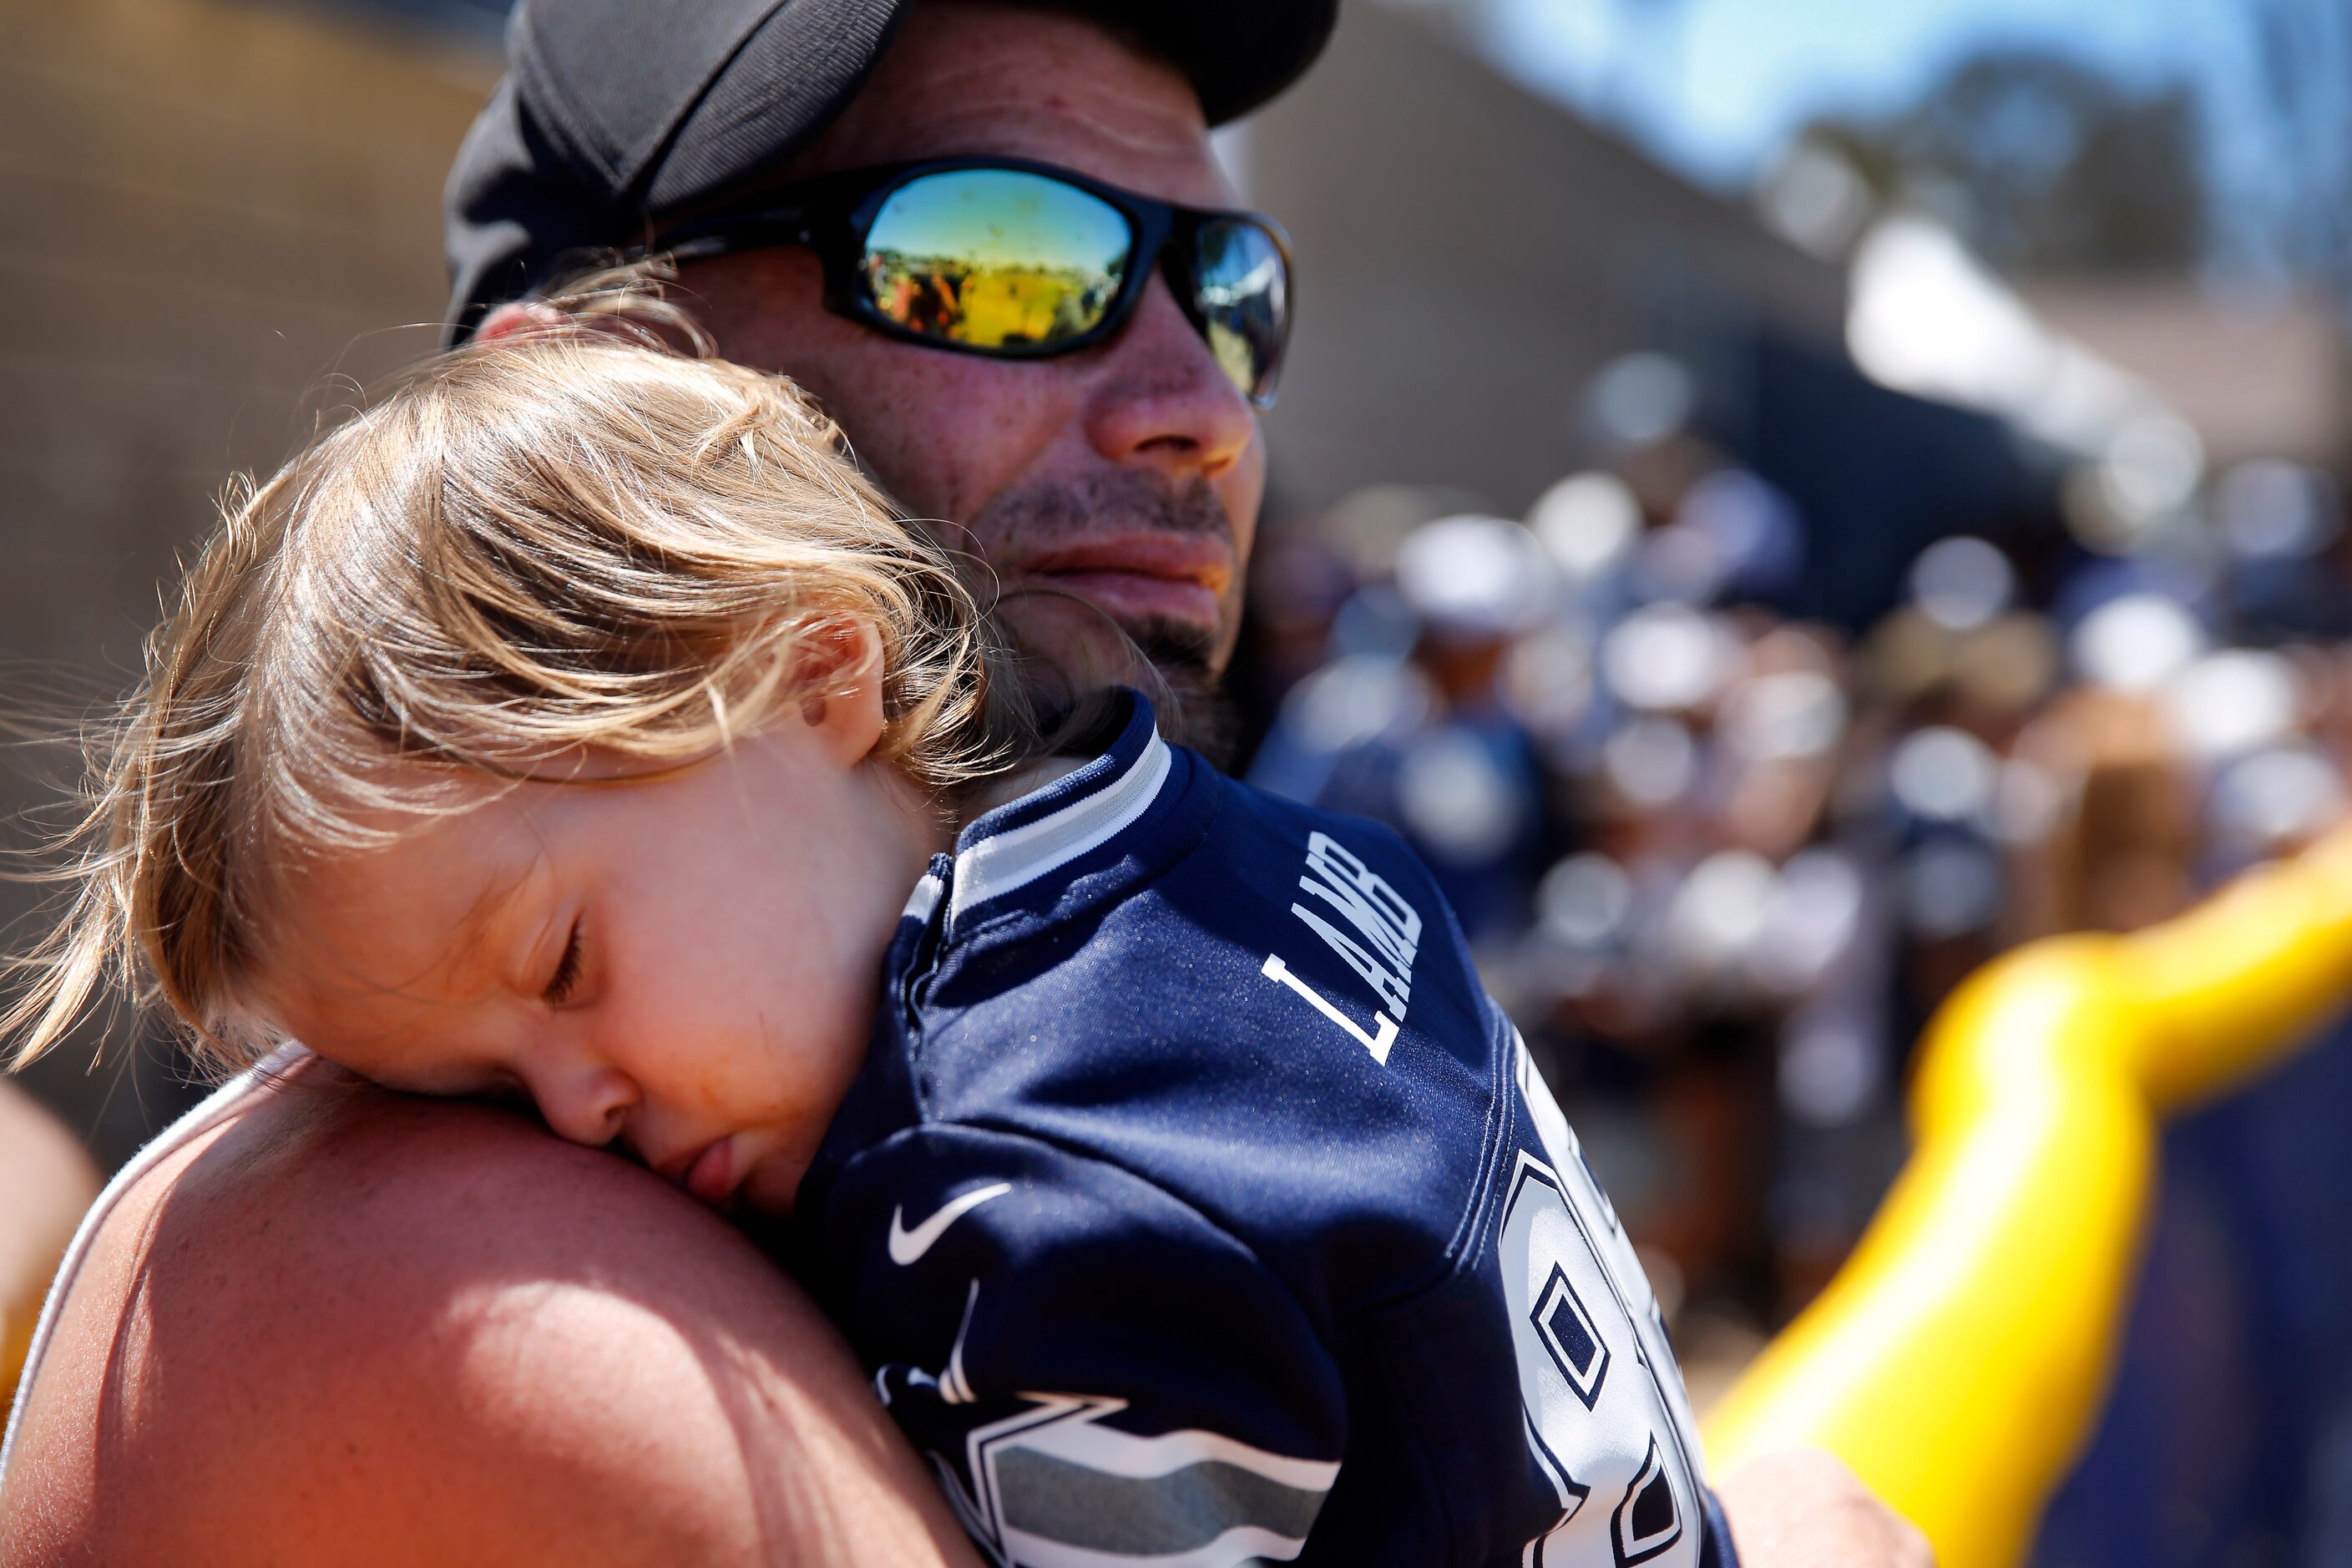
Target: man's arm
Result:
[[1803, 1508], [360, 1330], [48, 1182]]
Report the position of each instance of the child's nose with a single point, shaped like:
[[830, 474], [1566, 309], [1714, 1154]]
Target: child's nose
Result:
[[586, 1104]]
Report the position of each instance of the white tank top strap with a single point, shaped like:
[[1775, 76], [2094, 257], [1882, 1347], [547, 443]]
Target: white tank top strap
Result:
[[217, 1107]]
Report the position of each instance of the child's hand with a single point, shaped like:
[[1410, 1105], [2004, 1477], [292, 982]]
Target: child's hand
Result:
[[1803, 1508]]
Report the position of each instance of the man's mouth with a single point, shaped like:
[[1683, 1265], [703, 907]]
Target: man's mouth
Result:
[[1136, 579]]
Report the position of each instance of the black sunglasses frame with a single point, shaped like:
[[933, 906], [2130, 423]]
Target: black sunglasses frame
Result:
[[832, 215]]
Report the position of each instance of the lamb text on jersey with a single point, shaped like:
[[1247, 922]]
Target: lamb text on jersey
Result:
[[1390, 929]]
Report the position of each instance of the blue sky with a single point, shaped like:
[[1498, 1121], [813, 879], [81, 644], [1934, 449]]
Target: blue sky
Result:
[[1715, 86]]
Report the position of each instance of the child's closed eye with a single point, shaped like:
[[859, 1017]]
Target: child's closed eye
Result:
[[566, 978]]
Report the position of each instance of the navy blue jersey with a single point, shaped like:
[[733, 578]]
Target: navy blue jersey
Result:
[[1196, 1208]]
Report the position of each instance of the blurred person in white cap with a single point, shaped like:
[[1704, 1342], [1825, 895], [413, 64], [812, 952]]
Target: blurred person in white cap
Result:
[[1428, 744]]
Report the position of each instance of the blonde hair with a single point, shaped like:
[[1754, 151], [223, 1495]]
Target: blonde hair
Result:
[[529, 547]]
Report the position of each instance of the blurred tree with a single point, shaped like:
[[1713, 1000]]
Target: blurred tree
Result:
[[2043, 163], [2302, 54]]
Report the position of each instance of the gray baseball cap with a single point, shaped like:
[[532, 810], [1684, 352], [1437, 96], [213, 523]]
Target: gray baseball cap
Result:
[[615, 113]]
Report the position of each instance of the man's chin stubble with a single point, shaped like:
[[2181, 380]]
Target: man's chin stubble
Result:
[[1171, 662], [1179, 662]]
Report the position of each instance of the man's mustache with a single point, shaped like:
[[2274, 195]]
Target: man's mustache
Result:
[[1044, 512]]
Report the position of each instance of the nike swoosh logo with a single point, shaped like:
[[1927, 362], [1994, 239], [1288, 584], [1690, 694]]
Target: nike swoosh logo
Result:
[[905, 1246]]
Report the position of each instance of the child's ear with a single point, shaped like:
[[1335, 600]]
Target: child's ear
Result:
[[841, 664], [518, 319]]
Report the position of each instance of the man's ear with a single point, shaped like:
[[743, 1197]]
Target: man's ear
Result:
[[842, 666], [517, 318]]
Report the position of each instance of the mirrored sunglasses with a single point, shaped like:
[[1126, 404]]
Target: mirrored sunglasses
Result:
[[1018, 260]]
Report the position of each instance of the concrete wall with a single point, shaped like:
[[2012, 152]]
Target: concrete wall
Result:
[[210, 206], [1469, 255]]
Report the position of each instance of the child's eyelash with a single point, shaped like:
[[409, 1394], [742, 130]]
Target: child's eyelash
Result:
[[567, 971]]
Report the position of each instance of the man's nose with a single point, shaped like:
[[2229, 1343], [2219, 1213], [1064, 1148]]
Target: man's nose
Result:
[[1163, 399], [584, 1102]]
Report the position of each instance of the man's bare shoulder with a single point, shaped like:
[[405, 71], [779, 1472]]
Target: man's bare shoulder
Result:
[[356, 1328]]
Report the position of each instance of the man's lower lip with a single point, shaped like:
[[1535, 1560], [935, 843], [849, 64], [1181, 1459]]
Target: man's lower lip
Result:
[[1136, 597], [711, 1176]]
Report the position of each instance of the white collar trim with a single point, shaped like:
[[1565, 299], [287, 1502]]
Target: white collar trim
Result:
[[1006, 861]]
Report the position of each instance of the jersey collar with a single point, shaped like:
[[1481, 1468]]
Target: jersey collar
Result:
[[1010, 848]]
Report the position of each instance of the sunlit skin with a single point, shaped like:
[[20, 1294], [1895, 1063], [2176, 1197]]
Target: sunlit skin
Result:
[[686, 967], [1129, 475]]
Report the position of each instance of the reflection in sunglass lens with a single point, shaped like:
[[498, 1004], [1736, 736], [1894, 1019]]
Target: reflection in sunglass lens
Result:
[[995, 257], [1245, 294]]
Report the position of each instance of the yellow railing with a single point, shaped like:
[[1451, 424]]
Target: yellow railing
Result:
[[1959, 1359]]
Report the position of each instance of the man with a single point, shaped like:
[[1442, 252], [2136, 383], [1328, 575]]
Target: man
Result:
[[367, 1330]]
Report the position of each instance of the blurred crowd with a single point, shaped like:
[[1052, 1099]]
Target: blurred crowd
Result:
[[1721, 863]]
